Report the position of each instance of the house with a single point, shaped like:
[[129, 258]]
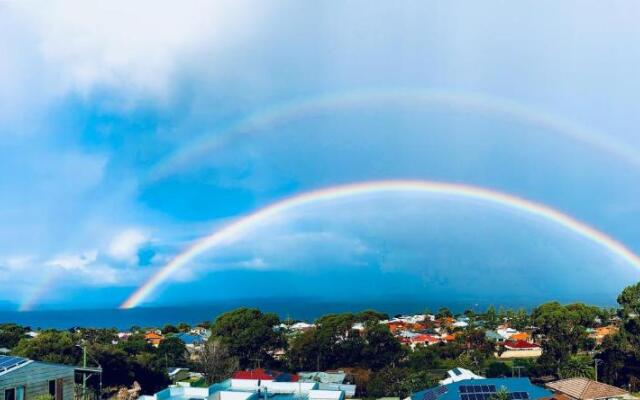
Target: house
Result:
[[494, 336], [191, 340], [450, 337], [485, 389], [585, 389], [506, 332], [523, 336], [21, 379], [459, 374], [520, 349], [265, 375], [602, 332], [333, 380], [153, 338], [249, 389], [423, 339]]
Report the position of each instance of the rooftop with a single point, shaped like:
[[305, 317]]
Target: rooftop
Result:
[[483, 389], [583, 388], [249, 389]]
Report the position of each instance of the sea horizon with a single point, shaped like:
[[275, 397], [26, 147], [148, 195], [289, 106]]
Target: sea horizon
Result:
[[286, 308]]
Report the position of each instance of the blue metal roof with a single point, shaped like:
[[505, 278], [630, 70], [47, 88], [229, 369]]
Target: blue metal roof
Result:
[[189, 338], [512, 385]]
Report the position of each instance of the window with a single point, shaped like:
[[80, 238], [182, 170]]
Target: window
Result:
[[56, 389]]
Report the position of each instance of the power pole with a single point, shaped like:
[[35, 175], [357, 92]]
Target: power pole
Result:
[[84, 373], [595, 367]]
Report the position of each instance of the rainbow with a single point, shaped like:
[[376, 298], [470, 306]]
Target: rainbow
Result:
[[40, 290], [476, 102], [234, 230]]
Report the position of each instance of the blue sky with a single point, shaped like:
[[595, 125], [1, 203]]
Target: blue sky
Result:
[[95, 99]]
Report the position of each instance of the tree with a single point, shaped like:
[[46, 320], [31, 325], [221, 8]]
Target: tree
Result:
[[564, 333], [398, 382], [168, 328], [444, 312], [629, 299], [501, 394], [173, 351], [136, 344], [249, 334], [491, 318], [381, 349], [101, 336], [498, 369], [215, 361], [50, 346], [10, 335], [577, 367]]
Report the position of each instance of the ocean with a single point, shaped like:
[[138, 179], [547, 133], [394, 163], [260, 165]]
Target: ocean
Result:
[[294, 309]]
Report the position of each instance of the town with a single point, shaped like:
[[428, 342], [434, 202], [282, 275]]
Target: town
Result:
[[556, 351]]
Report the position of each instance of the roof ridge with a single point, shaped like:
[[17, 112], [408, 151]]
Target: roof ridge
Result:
[[586, 387]]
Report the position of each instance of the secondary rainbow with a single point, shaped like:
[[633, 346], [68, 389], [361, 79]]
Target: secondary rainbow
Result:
[[296, 108], [227, 234]]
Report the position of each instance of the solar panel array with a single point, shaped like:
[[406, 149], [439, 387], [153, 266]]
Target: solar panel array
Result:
[[8, 362], [477, 389], [434, 393], [486, 392]]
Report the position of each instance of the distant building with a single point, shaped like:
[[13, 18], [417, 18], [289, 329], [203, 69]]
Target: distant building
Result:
[[585, 389], [520, 349], [459, 374], [600, 333], [23, 379], [153, 338], [485, 389]]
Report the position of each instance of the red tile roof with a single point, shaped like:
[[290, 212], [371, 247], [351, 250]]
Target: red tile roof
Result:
[[265, 375], [520, 345]]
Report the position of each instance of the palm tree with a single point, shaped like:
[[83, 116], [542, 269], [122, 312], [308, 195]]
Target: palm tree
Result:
[[577, 367], [501, 394]]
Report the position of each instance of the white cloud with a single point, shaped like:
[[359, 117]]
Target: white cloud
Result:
[[132, 46], [73, 261], [125, 246]]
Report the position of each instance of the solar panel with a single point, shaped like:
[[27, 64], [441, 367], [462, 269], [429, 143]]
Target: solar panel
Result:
[[463, 389], [518, 396], [492, 388], [8, 362], [429, 395], [441, 389]]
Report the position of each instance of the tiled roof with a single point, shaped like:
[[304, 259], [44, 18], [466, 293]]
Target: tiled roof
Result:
[[583, 388], [520, 345], [265, 375]]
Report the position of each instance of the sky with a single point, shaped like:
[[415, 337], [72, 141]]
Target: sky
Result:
[[129, 130]]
